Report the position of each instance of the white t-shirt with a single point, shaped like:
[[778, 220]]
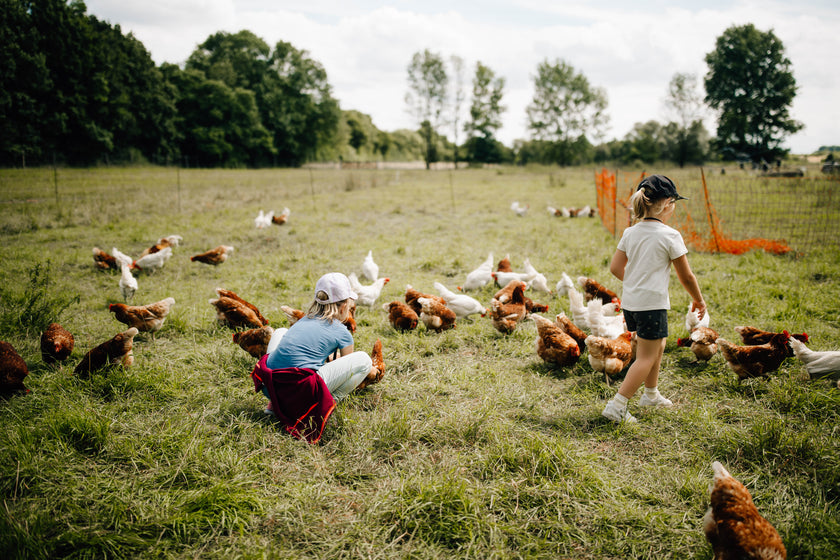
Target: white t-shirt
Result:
[[650, 246]]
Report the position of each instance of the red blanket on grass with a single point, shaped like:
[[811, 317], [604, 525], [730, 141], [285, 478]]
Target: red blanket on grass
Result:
[[299, 397]]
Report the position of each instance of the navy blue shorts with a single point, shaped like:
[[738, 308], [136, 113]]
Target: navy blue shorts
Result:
[[649, 325]]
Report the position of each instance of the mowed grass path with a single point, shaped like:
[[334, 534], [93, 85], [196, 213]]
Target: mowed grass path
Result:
[[471, 447]]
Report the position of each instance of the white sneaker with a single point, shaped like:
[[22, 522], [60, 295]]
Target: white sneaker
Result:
[[617, 413], [658, 400]]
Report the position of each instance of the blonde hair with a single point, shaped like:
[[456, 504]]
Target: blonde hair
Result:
[[336, 311], [641, 206]]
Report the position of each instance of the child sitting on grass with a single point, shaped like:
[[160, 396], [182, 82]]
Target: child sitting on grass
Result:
[[314, 364]]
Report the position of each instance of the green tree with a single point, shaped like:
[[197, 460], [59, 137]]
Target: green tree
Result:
[[133, 109], [485, 116], [685, 104], [219, 125], [564, 109], [24, 81], [297, 106], [685, 145], [77, 89], [426, 97], [751, 84], [292, 94], [237, 59]]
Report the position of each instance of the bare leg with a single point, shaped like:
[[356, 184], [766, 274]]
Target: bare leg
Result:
[[645, 369]]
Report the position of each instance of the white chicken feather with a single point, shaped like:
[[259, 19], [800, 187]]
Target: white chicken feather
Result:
[[154, 261], [263, 220], [692, 322], [505, 278], [519, 209], [580, 314], [462, 304], [128, 283], [481, 276], [370, 269], [367, 294], [121, 257], [538, 281], [817, 363], [173, 240], [601, 324]]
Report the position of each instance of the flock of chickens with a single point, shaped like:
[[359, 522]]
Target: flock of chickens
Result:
[[565, 212], [57, 343], [596, 326]]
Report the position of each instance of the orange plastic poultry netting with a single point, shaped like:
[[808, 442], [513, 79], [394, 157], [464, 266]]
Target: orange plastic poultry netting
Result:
[[735, 213]]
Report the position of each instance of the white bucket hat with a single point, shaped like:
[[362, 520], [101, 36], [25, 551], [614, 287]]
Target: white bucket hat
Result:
[[336, 286]]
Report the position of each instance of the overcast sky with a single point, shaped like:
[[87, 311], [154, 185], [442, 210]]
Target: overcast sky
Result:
[[631, 49]]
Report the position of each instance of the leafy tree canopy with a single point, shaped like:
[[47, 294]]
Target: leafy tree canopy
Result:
[[565, 108], [751, 84], [426, 96]]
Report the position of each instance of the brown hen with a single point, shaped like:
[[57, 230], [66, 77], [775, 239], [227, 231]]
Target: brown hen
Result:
[[610, 355], [56, 344], [755, 361], [117, 349], [145, 318], [702, 342], [592, 289], [753, 336], [554, 346], [435, 315], [733, 525], [13, 370], [214, 256], [254, 341], [412, 295], [221, 292], [401, 316]]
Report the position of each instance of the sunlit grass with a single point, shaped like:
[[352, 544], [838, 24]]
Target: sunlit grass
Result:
[[471, 447]]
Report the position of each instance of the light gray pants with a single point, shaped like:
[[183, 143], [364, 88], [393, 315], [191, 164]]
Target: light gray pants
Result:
[[345, 373]]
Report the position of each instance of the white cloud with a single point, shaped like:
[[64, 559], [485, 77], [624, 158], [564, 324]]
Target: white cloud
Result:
[[631, 50]]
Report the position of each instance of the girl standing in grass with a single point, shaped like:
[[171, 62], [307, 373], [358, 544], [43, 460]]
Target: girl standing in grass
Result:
[[314, 363], [642, 262]]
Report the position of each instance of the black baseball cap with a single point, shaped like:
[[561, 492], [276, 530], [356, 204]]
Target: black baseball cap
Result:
[[659, 186]]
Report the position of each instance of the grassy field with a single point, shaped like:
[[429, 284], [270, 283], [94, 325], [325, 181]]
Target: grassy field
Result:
[[471, 447]]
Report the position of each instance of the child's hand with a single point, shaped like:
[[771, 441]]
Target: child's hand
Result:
[[699, 307]]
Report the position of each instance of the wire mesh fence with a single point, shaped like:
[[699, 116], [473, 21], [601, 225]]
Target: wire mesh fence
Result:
[[738, 212]]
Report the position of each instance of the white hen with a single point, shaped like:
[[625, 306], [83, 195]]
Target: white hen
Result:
[[603, 325], [370, 269], [154, 261], [538, 282], [817, 363], [128, 283], [505, 278], [692, 322], [481, 276], [580, 314], [122, 258], [260, 222], [462, 304], [367, 294], [173, 240], [520, 210]]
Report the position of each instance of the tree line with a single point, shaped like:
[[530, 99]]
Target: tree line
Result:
[[76, 90]]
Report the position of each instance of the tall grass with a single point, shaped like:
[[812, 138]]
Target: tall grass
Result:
[[471, 447]]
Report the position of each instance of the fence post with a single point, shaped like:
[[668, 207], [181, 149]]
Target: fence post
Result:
[[614, 197], [709, 211]]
